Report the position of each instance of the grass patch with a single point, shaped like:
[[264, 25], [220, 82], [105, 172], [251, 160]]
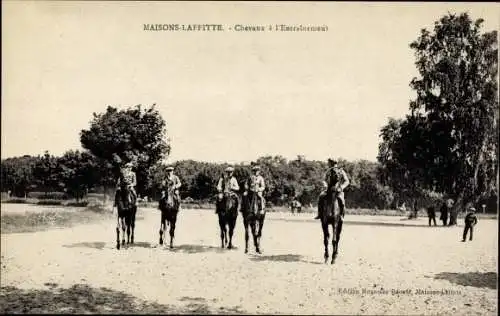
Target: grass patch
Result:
[[59, 218]]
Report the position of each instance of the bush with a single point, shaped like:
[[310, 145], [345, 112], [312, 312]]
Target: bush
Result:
[[49, 202], [16, 201], [48, 195], [78, 204]]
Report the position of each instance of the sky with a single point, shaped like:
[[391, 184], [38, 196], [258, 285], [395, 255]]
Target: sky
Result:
[[227, 96]]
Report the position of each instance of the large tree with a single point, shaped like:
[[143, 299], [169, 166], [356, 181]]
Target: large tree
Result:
[[134, 134], [79, 172], [448, 143]]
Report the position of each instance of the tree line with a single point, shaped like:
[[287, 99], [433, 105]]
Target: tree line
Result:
[[445, 147]]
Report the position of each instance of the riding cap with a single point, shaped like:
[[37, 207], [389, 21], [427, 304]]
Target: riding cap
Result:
[[129, 165], [170, 168], [473, 209], [332, 161], [256, 168], [229, 169]]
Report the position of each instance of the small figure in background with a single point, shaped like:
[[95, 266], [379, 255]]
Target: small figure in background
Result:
[[431, 213], [445, 211], [470, 222]]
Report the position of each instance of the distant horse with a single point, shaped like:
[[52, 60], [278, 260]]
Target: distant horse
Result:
[[228, 213], [169, 210], [330, 215], [252, 217], [295, 206], [125, 202]]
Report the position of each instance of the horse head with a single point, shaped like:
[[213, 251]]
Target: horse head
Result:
[[168, 199]]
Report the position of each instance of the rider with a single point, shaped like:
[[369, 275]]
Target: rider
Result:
[[336, 180], [227, 184], [127, 179], [257, 185], [171, 184]]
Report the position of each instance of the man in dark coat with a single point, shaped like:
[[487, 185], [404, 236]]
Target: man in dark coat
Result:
[[470, 222], [445, 211], [431, 213]]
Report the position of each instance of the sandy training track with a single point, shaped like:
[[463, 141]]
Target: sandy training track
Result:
[[79, 270]]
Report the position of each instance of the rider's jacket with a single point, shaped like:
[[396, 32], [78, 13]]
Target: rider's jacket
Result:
[[226, 184], [336, 178], [127, 177], [172, 182], [256, 184]]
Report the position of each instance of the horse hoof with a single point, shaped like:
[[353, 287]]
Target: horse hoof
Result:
[[118, 246], [230, 247], [161, 241], [246, 250], [171, 246], [258, 251]]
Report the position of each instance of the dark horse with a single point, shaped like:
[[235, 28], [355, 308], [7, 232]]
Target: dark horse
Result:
[[169, 209], [228, 213], [125, 202], [330, 215], [253, 218]]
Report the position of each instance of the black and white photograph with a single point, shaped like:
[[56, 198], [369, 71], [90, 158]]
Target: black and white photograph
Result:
[[249, 157]]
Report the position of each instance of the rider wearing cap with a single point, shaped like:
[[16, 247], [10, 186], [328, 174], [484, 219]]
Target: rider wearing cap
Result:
[[257, 185], [227, 184], [336, 180], [171, 184]]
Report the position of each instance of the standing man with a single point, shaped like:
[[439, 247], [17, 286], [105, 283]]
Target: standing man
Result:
[[336, 180], [431, 213], [172, 184], [257, 185], [445, 211], [470, 222], [227, 184]]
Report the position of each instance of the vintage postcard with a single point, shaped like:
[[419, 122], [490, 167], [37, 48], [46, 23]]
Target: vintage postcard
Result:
[[239, 157]]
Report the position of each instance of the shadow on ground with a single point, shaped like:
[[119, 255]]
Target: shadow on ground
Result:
[[82, 299], [101, 245], [475, 279], [283, 258], [404, 222], [198, 249], [94, 245]]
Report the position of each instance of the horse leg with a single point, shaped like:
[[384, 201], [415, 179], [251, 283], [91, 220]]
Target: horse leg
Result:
[[172, 230], [254, 224], [326, 237], [118, 234], [127, 221], [245, 223], [132, 223], [232, 223], [162, 229], [222, 228], [337, 233], [124, 227], [261, 224]]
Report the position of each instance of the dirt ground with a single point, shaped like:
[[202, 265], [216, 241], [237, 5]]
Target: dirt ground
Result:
[[386, 265]]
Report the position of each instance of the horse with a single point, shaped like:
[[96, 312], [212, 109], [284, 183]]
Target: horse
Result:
[[329, 209], [125, 202], [169, 210], [252, 217], [228, 213]]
